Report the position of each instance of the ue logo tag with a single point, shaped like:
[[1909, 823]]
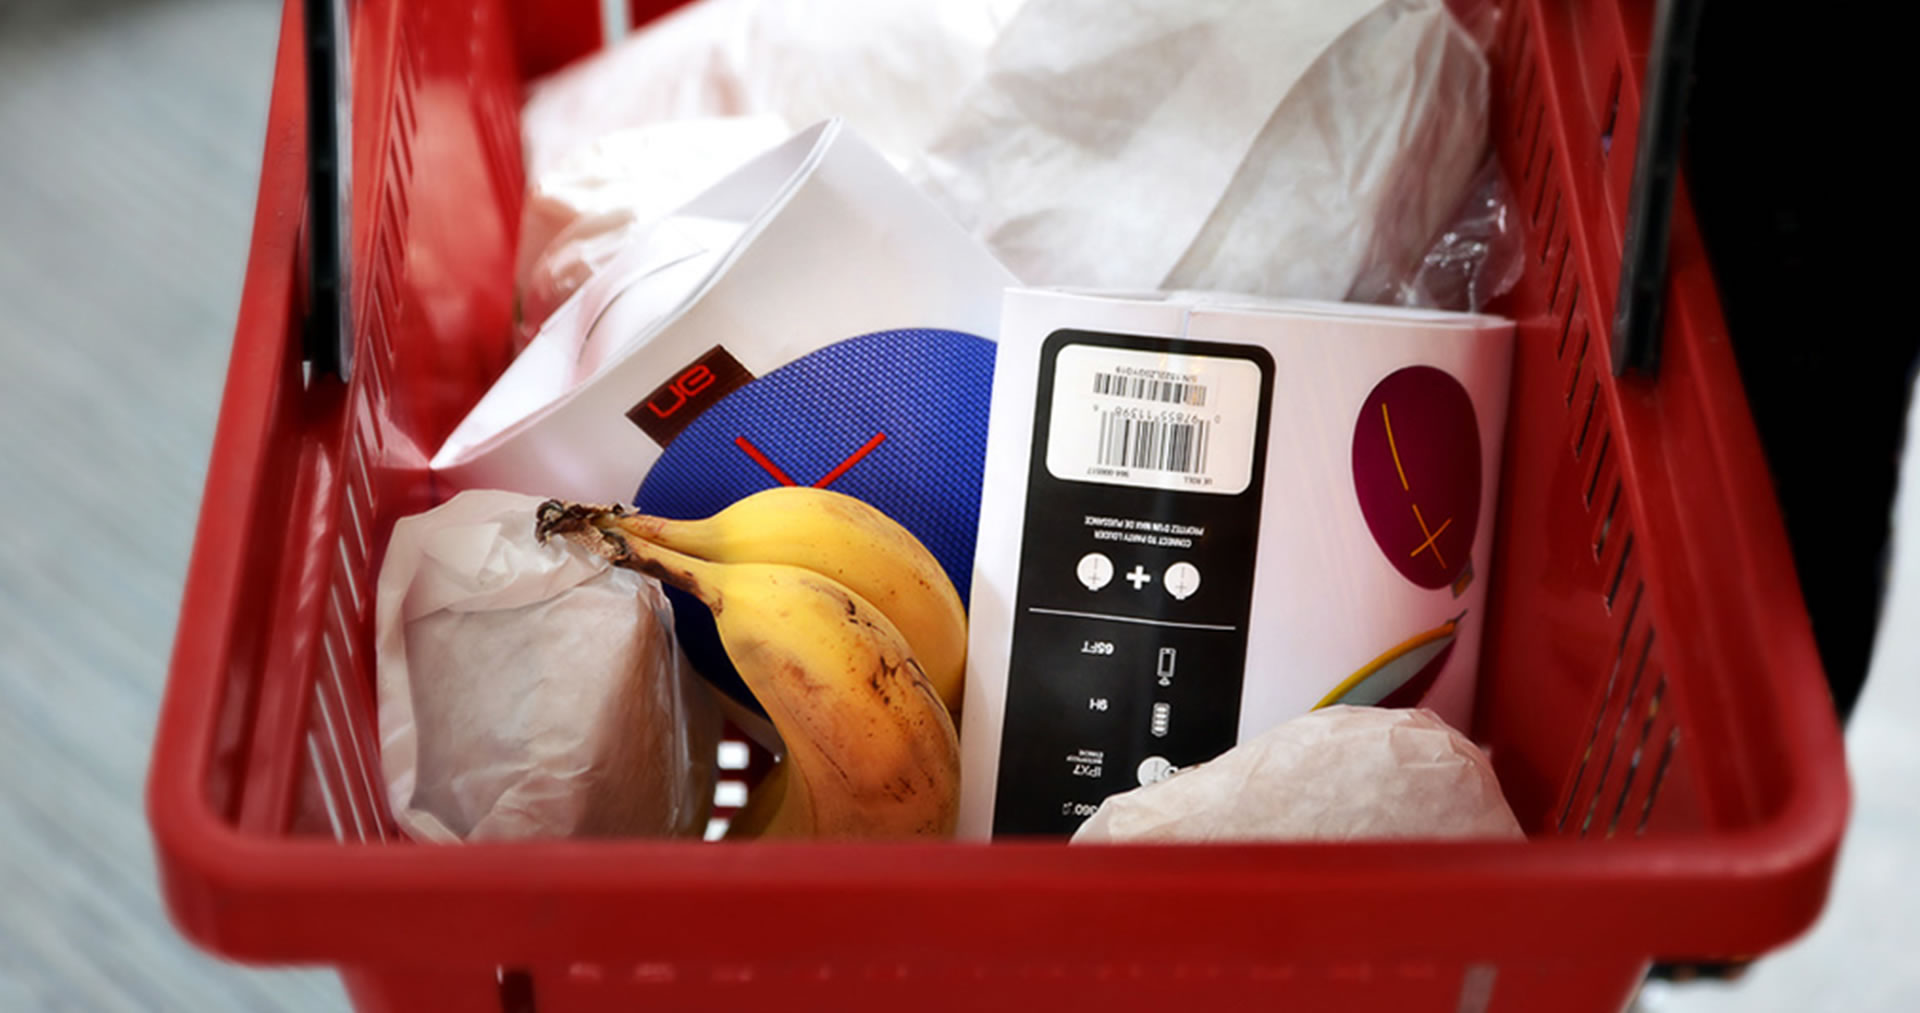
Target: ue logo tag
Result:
[[895, 418], [680, 388], [673, 405]]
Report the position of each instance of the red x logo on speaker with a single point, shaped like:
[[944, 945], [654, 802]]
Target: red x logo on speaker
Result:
[[760, 458]]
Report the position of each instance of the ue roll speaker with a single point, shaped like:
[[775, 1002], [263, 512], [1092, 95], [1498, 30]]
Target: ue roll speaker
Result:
[[895, 418]]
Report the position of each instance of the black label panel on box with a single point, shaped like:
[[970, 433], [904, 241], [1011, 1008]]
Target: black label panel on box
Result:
[[1136, 570]]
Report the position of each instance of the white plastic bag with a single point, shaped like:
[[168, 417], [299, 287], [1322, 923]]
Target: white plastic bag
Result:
[[1274, 147], [1338, 774], [529, 689], [890, 69]]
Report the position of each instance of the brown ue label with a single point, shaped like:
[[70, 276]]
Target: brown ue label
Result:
[[699, 385]]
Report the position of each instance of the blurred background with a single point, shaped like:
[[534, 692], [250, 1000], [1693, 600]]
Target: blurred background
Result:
[[130, 135]]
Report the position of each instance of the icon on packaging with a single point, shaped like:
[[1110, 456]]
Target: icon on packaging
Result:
[[1095, 570], [1182, 579]]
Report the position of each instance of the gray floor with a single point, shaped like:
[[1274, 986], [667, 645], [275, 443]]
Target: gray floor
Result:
[[129, 145], [129, 135]]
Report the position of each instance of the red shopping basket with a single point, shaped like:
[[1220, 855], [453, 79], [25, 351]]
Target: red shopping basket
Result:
[[1650, 692]]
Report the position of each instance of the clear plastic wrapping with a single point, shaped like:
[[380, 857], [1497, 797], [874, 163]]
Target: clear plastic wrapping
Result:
[[1475, 258]]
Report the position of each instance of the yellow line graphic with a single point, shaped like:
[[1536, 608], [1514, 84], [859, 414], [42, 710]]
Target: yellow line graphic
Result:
[[1388, 419], [1431, 535]]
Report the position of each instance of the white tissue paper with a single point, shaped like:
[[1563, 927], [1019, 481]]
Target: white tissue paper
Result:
[[1275, 147], [890, 69], [1337, 774], [598, 199], [530, 689]]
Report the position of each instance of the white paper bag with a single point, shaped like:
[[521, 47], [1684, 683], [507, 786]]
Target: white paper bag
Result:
[[591, 204], [815, 242], [1339, 774], [529, 689], [1274, 147]]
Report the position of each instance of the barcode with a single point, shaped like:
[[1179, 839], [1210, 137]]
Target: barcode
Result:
[[1146, 388], [1152, 445]]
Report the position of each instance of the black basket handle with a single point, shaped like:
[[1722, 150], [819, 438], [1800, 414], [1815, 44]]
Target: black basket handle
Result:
[[1640, 310], [328, 328]]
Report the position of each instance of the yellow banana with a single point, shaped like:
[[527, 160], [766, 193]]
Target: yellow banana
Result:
[[871, 750], [848, 540], [759, 817]]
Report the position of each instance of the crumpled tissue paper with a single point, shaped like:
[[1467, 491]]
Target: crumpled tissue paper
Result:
[[1336, 774]]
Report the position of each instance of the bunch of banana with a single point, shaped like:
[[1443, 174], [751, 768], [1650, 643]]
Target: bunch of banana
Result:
[[847, 631]]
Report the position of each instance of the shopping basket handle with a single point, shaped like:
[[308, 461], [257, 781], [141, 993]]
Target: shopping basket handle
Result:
[[1640, 310], [328, 329]]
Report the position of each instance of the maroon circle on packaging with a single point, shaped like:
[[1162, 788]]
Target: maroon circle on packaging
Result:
[[1416, 468]]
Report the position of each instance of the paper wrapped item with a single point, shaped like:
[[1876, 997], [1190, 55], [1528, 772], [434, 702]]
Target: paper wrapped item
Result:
[[529, 689], [1275, 147], [1338, 774]]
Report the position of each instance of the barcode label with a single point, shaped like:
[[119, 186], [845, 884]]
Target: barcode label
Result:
[[1152, 444], [1153, 419], [1148, 388]]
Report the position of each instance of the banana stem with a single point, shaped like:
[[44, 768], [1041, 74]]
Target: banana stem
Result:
[[701, 539], [604, 531]]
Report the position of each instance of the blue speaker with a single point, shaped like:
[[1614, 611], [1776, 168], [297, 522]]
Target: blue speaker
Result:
[[895, 418]]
